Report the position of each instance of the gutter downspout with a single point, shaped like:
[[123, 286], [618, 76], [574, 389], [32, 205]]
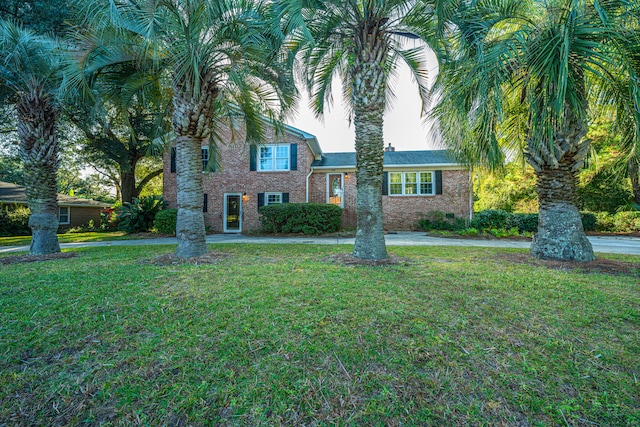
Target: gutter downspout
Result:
[[307, 185]]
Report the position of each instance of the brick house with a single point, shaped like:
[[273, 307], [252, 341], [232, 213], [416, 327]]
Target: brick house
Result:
[[293, 168], [72, 211]]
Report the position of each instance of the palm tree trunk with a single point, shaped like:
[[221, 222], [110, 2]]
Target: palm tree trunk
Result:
[[560, 233], [368, 92], [38, 149], [191, 124], [190, 229]]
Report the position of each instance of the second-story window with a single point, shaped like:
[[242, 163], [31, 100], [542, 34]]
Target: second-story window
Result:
[[273, 158]]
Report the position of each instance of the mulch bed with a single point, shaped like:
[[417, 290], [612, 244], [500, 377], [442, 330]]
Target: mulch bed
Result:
[[20, 259], [599, 265], [349, 259], [172, 259]]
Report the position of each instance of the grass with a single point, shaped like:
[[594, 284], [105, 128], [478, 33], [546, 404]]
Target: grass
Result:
[[92, 236], [272, 335]]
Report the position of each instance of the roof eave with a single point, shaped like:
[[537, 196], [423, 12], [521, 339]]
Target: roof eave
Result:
[[311, 140]]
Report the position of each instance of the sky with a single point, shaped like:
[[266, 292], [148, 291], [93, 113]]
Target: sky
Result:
[[403, 126]]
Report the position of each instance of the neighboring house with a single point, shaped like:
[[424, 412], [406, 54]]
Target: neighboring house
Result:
[[72, 211], [293, 168]]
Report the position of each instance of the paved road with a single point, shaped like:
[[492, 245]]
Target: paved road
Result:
[[608, 244]]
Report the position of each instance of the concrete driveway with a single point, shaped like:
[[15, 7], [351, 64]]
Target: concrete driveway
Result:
[[602, 244]]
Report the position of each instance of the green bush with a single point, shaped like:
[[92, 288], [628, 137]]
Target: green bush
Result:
[[501, 232], [165, 221], [604, 221], [524, 222], [491, 218], [589, 221], [14, 221], [307, 218], [437, 220], [626, 221], [85, 228], [138, 216], [468, 232]]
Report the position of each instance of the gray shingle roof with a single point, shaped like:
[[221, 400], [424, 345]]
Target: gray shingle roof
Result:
[[391, 158], [12, 193]]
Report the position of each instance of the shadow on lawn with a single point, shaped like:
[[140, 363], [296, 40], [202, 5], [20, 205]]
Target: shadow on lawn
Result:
[[599, 265]]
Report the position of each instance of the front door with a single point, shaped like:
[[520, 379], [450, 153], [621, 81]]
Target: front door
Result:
[[335, 189], [233, 213]]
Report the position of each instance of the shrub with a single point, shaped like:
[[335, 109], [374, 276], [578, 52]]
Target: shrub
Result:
[[307, 218], [524, 222], [492, 218], [589, 221], [138, 216], [14, 221], [89, 227], [604, 221], [437, 220], [468, 232], [165, 221], [626, 221]]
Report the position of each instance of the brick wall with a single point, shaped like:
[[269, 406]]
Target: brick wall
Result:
[[235, 177], [81, 216], [403, 212]]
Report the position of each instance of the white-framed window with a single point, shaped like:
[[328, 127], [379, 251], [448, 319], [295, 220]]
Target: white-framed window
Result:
[[411, 183], [64, 215], [205, 158], [273, 157], [272, 198]]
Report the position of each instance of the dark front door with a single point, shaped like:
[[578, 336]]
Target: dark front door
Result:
[[233, 213]]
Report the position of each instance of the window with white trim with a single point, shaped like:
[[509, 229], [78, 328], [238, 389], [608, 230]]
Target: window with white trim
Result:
[[64, 215], [411, 183], [273, 157], [205, 158], [272, 198]]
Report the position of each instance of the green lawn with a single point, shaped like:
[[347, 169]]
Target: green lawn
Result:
[[272, 335], [71, 237]]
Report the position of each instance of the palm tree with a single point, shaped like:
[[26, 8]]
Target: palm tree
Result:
[[521, 71], [30, 77], [221, 63], [362, 43]]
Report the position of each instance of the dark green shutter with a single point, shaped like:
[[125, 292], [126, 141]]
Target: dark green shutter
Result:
[[285, 197], [385, 183], [438, 182], [173, 160], [260, 200], [293, 151], [253, 156], [205, 203]]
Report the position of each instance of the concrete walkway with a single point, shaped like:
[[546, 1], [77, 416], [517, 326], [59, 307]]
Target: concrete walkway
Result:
[[603, 244]]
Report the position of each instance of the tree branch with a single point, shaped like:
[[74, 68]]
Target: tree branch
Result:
[[148, 178]]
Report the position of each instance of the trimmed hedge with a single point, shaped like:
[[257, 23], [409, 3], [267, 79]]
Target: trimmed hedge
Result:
[[165, 221], [524, 222], [491, 218], [14, 221], [307, 218], [623, 222], [438, 220]]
